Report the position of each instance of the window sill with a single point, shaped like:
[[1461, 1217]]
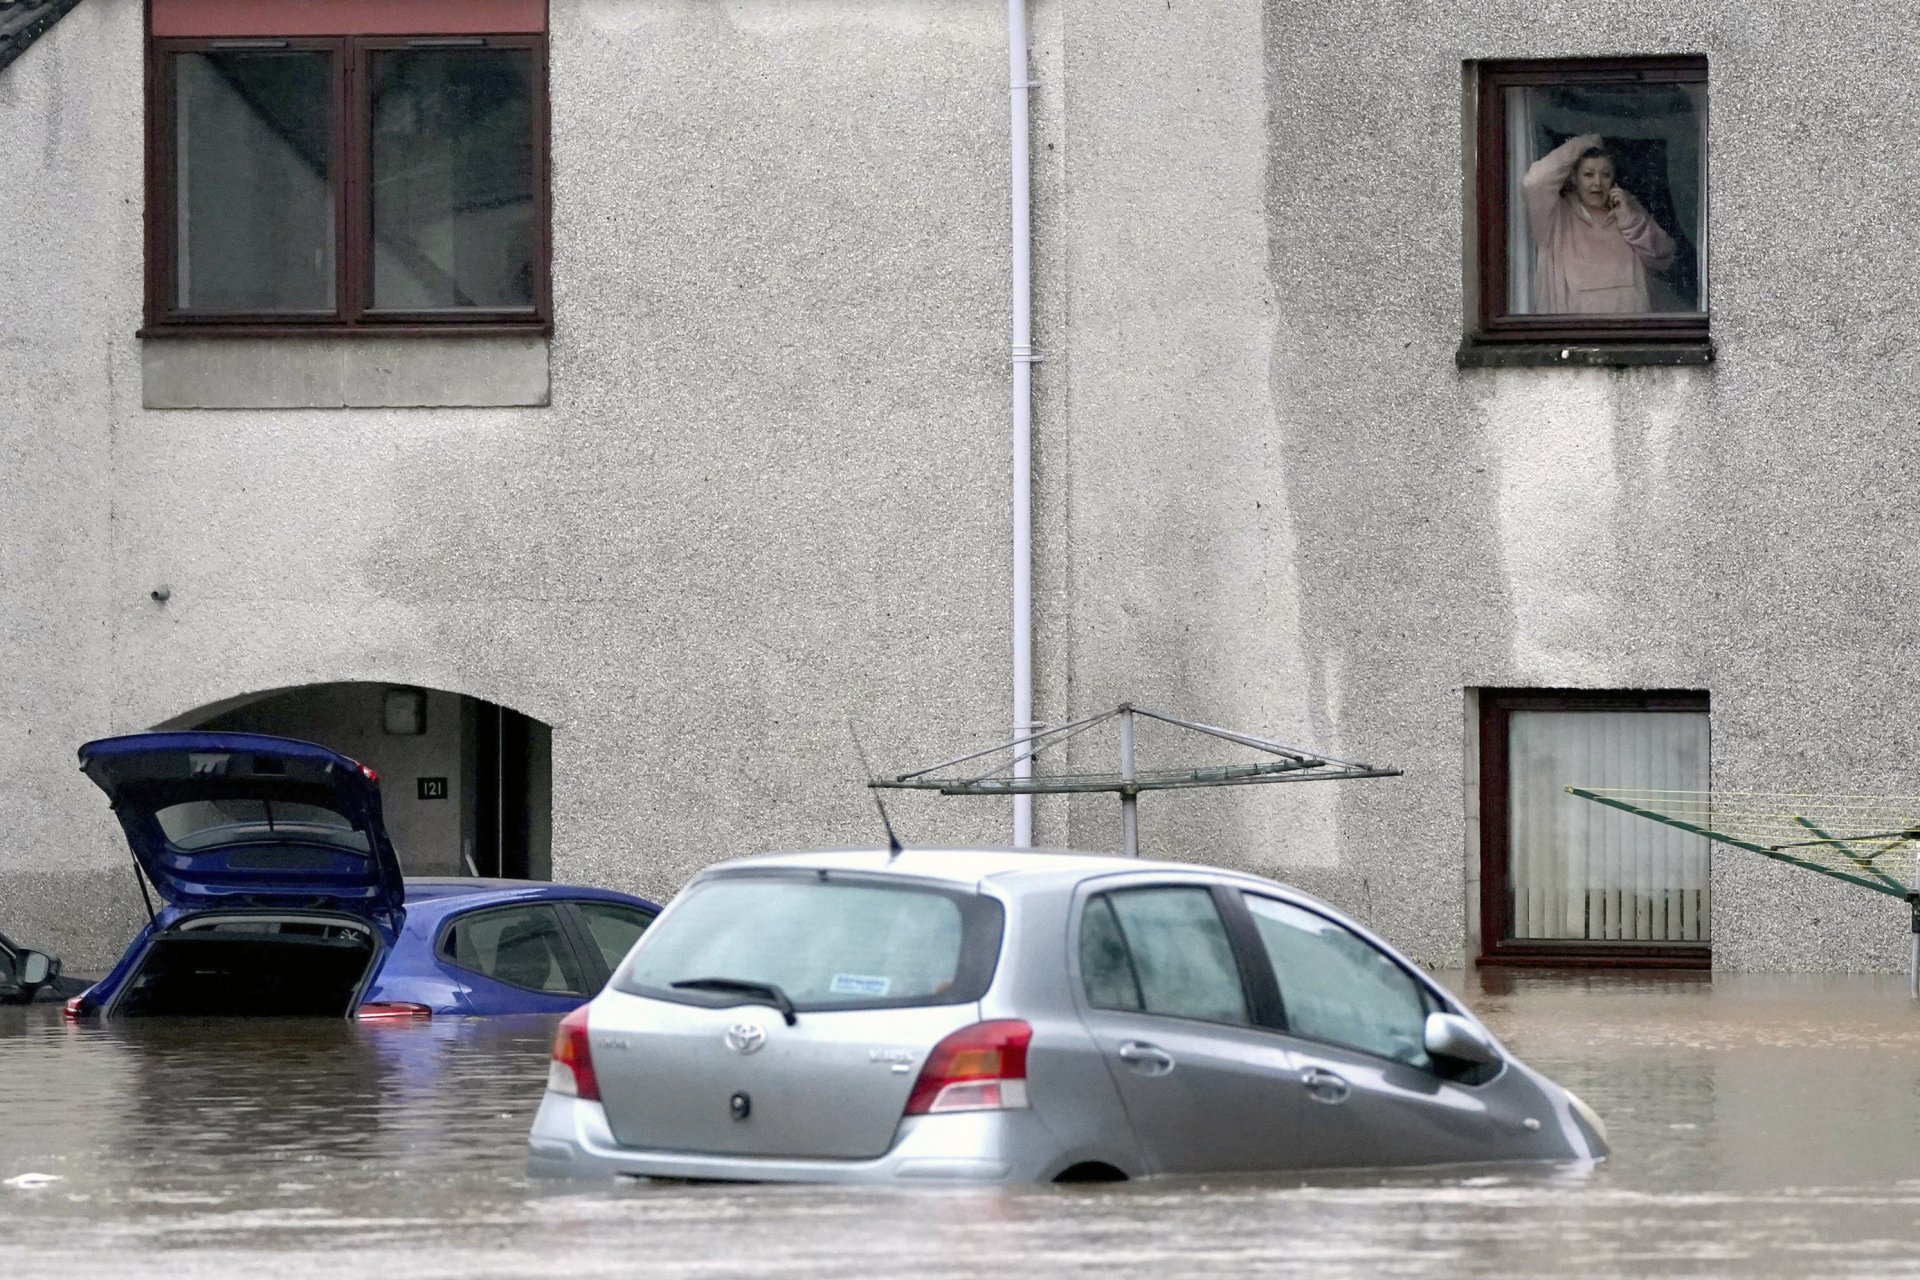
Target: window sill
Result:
[[530, 328], [1596, 955], [307, 370], [1477, 353]]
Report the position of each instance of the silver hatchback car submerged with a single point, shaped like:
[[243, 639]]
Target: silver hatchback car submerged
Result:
[[1010, 1016]]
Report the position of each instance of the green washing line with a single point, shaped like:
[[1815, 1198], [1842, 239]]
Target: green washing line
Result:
[[1880, 882], [1864, 861]]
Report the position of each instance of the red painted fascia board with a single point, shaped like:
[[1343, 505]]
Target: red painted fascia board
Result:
[[273, 18]]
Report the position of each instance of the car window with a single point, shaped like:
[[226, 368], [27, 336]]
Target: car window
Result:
[[1338, 987], [827, 943], [1105, 967], [614, 928], [203, 824], [1162, 951], [521, 946]]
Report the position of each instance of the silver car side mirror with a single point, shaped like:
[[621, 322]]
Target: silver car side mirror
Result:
[[34, 968], [1448, 1035]]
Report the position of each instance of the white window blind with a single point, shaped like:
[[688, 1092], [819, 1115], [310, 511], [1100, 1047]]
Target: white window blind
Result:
[[1582, 871]]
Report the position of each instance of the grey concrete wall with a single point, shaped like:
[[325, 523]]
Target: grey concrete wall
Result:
[[769, 493], [1288, 507]]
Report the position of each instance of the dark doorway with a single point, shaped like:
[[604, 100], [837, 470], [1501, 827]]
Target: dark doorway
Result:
[[512, 780]]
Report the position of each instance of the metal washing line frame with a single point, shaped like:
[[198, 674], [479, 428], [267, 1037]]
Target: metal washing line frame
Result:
[[1864, 872], [1009, 778]]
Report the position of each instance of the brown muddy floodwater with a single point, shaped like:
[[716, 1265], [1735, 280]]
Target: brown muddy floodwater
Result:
[[1763, 1126]]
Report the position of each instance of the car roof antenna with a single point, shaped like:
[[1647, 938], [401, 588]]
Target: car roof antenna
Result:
[[894, 847]]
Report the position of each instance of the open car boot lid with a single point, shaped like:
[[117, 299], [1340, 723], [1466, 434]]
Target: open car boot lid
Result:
[[245, 819]]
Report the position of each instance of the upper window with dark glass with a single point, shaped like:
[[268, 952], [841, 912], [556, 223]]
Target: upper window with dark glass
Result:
[[348, 181], [1592, 181]]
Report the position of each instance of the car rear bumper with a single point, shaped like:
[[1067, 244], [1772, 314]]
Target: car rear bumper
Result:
[[571, 1138]]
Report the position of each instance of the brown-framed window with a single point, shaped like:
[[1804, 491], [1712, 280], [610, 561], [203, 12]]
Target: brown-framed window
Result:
[[390, 181], [1591, 201], [1567, 881]]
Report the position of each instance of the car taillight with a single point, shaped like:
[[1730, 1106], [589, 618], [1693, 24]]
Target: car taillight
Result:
[[978, 1068], [572, 1070], [74, 1007], [391, 1011]]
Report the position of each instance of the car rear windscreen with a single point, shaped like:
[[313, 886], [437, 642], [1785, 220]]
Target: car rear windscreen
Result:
[[205, 824], [841, 941]]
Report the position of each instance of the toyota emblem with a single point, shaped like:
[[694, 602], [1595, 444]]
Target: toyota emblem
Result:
[[746, 1037]]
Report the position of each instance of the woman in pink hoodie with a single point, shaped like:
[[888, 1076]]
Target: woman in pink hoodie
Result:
[[1593, 243]]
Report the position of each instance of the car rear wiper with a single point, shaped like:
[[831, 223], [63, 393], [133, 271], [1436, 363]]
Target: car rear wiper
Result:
[[766, 992]]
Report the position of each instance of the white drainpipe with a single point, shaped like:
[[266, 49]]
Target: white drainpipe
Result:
[[1023, 359]]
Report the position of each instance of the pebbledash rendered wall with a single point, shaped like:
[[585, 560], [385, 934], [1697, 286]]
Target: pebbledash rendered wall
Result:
[[770, 491], [1275, 499], [768, 495], [1283, 496]]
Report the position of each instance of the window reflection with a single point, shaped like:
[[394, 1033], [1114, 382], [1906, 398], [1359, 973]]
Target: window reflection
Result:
[[1336, 987], [614, 928], [253, 192], [1181, 962], [453, 179], [520, 946]]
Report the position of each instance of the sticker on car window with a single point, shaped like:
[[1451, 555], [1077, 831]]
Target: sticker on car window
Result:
[[859, 984]]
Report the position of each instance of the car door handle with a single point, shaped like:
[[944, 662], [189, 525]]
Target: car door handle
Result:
[[1148, 1059], [1324, 1086]]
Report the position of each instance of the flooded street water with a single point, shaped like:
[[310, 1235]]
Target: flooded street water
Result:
[[1763, 1126]]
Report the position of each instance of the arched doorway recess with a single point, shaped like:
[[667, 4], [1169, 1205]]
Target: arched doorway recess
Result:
[[466, 784]]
